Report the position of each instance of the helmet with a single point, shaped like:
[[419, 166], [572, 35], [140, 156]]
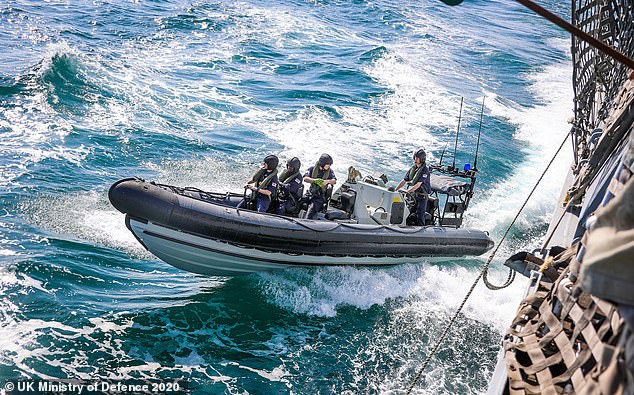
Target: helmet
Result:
[[271, 162], [324, 160], [293, 164], [420, 154]]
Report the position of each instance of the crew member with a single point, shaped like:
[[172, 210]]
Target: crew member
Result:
[[263, 185], [417, 178], [290, 188], [319, 177]]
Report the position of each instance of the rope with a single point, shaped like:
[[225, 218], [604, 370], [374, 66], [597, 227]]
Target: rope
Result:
[[509, 280], [483, 274], [548, 263]]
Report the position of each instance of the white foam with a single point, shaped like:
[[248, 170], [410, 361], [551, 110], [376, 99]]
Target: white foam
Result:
[[285, 27], [322, 291], [420, 300], [278, 374], [414, 325], [8, 278], [145, 73], [19, 342], [319, 292]]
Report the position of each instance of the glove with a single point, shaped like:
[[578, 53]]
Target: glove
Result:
[[319, 182]]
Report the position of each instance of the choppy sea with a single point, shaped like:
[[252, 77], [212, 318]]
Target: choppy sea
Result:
[[195, 93]]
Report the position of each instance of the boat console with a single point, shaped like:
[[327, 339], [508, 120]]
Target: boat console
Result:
[[368, 200]]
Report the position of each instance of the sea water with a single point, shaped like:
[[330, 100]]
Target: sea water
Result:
[[196, 93]]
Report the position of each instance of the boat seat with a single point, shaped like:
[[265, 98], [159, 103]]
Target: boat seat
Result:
[[335, 213]]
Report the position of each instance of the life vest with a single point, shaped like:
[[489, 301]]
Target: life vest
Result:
[[288, 177], [257, 175], [263, 184], [267, 180], [414, 173], [314, 189], [284, 177]]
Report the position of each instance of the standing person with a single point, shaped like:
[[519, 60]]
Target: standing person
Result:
[[417, 178], [291, 188], [319, 177], [263, 185]]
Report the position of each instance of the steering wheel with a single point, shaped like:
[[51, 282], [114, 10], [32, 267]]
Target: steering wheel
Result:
[[409, 198]]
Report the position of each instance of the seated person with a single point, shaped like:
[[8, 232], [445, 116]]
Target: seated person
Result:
[[418, 180], [263, 185], [319, 177], [290, 188]]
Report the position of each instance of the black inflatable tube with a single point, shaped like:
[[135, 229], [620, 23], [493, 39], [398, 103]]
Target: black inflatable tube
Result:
[[268, 232]]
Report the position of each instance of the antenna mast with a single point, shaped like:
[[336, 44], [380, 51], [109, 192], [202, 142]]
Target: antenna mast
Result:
[[443, 154], [475, 162], [455, 147]]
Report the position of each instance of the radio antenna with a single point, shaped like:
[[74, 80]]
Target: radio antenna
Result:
[[455, 147], [475, 162], [443, 154]]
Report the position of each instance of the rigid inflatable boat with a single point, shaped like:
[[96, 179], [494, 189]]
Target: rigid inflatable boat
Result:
[[364, 224]]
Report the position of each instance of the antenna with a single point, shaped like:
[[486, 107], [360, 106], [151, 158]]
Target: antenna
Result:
[[455, 147], [475, 162], [443, 154]]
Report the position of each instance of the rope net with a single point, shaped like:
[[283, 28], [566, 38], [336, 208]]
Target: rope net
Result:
[[596, 76], [565, 340]]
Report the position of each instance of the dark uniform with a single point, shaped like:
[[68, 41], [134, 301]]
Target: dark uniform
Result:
[[420, 174], [291, 189], [264, 179], [262, 202], [316, 195]]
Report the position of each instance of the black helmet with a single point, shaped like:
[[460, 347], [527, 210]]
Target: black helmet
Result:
[[271, 162], [420, 154], [293, 164], [324, 160]]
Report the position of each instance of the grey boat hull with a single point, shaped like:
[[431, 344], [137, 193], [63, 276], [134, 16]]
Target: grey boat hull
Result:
[[203, 235]]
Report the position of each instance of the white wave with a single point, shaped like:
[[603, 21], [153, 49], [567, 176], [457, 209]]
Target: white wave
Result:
[[152, 75], [286, 26], [414, 328], [32, 130], [21, 345], [420, 300], [322, 291]]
